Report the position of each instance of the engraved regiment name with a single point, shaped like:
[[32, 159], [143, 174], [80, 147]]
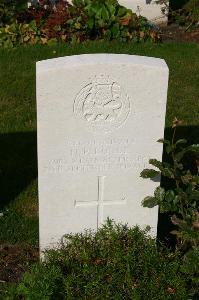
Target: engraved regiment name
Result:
[[96, 155]]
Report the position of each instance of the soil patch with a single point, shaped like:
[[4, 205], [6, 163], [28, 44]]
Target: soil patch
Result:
[[15, 260], [174, 33]]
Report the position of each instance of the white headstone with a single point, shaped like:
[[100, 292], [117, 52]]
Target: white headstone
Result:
[[99, 117]]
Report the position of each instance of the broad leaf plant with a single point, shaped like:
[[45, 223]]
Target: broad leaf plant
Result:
[[182, 198]]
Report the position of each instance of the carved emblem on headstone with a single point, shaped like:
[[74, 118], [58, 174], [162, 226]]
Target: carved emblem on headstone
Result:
[[102, 104]]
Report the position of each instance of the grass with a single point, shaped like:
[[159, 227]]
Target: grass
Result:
[[18, 78], [18, 160]]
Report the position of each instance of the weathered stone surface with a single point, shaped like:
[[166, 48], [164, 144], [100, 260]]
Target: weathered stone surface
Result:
[[99, 117]]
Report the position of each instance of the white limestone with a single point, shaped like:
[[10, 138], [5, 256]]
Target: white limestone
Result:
[[99, 117]]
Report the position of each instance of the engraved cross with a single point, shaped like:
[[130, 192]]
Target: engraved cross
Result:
[[100, 202]]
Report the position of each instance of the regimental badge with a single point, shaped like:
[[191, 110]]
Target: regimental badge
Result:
[[102, 104]]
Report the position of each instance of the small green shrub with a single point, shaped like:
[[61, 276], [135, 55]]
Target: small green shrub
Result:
[[117, 262], [182, 196]]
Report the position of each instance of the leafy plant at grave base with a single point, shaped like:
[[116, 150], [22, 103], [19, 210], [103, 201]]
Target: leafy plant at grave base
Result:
[[116, 262], [84, 20], [181, 199]]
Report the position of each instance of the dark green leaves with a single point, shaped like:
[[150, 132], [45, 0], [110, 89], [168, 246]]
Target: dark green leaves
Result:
[[149, 173], [165, 169], [149, 202], [181, 141], [156, 163], [170, 196], [158, 198], [168, 172], [159, 194]]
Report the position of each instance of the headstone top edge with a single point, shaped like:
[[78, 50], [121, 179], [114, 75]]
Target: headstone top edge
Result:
[[105, 58]]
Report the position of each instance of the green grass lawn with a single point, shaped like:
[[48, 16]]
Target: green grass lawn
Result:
[[18, 159]]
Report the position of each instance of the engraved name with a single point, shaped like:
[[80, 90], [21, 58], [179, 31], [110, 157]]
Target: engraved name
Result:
[[96, 155]]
